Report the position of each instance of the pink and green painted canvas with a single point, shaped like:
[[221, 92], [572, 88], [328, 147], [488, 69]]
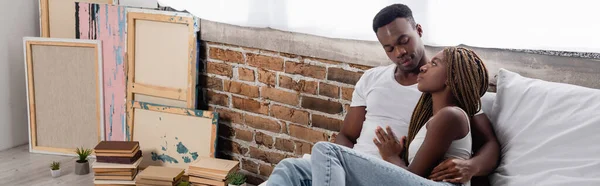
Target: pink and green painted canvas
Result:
[[108, 24]]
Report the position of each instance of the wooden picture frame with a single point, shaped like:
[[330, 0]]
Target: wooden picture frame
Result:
[[189, 95], [29, 43], [160, 116], [45, 13]]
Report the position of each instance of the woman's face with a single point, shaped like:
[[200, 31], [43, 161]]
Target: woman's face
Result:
[[433, 75]]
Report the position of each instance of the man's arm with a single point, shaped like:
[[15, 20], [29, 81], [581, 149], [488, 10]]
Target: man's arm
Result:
[[485, 146], [351, 127]]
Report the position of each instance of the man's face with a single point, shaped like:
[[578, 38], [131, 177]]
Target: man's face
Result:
[[402, 43]]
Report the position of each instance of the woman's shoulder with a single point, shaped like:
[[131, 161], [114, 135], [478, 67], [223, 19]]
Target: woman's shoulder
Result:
[[450, 119]]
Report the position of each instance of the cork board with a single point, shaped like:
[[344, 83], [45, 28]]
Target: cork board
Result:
[[107, 23], [171, 136], [162, 59], [64, 88], [57, 17]]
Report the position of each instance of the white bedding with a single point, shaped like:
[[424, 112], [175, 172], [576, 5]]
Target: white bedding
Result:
[[549, 132]]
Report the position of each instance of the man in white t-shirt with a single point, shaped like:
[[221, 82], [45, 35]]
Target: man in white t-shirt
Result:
[[386, 96]]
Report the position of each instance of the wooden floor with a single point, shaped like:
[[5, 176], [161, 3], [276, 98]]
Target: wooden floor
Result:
[[19, 167]]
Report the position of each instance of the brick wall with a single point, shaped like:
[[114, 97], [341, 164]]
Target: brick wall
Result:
[[273, 105]]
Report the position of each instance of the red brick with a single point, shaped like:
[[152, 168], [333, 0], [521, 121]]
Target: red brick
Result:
[[217, 98], [267, 77], [305, 70], [265, 169], [289, 114], [245, 74], [321, 105], [326, 123], [362, 67], [285, 145], [347, 93], [343, 76], [270, 157], [240, 88], [264, 139], [279, 95], [267, 62], [329, 90], [307, 134], [219, 69], [309, 87], [250, 105], [226, 55], [244, 135], [262, 123], [250, 165], [214, 83], [232, 146], [227, 115], [303, 148]]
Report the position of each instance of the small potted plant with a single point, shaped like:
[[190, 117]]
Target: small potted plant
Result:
[[236, 179], [82, 167], [55, 169]]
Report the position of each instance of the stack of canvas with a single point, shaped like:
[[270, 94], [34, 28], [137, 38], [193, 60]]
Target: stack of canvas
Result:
[[121, 152], [154, 175], [211, 171], [116, 162]]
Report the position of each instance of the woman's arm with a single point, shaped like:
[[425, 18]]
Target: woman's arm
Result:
[[448, 125]]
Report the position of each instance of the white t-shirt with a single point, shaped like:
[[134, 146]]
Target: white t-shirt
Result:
[[387, 103]]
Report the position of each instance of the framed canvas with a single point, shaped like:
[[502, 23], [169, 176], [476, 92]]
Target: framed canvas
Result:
[[162, 59], [108, 23], [172, 136], [64, 94], [57, 18]]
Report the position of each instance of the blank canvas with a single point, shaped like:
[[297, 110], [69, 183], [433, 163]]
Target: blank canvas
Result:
[[173, 137], [162, 59], [64, 94]]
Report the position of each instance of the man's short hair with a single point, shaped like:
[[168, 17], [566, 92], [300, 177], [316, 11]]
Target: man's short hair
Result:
[[390, 13]]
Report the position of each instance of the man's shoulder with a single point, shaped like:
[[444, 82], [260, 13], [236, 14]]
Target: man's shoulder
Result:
[[378, 71]]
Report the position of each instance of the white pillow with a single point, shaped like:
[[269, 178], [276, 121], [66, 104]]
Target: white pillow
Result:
[[549, 132], [487, 101]]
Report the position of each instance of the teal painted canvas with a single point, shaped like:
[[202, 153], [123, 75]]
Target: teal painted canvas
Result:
[[171, 138]]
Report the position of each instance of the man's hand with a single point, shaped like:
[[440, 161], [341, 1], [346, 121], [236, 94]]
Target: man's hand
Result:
[[388, 144], [453, 170]]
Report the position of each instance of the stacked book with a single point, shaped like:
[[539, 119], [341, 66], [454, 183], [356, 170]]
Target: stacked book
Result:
[[211, 171], [122, 152], [116, 162], [159, 176]]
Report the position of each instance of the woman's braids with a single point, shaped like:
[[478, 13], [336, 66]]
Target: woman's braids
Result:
[[468, 80]]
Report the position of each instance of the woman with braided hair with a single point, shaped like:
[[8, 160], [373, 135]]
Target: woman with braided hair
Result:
[[452, 84]]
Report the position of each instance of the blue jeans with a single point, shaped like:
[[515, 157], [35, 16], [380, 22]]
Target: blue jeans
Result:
[[335, 165]]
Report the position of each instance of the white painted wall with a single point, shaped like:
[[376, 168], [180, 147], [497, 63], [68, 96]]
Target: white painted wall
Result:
[[18, 18]]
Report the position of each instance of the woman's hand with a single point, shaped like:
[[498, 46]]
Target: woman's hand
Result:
[[388, 144]]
